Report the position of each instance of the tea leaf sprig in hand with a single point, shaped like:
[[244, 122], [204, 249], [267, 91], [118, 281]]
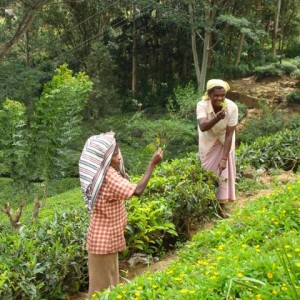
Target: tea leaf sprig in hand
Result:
[[223, 104]]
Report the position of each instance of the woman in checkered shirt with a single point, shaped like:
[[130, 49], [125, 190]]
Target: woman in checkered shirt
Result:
[[105, 186]]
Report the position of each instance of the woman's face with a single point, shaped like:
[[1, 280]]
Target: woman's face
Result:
[[217, 96], [115, 160]]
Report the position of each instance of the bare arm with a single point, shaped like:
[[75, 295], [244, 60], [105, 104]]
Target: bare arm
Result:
[[155, 160], [205, 124]]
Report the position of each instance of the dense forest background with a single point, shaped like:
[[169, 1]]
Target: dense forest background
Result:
[[73, 68], [139, 51]]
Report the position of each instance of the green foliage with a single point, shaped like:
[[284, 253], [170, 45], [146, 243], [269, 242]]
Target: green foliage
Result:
[[46, 260], [13, 139], [9, 194], [261, 126], [101, 68], [286, 67], [138, 135], [147, 226], [296, 73], [293, 97], [267, 71], [238, 258], [15, 149], [51, 257], [280, 151], [184, 101], [20, 82], [56, 121], [187, 189], [243, 110]]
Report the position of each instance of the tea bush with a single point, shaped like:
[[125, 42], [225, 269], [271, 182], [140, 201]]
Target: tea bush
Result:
[[279, 151], [44, 260], [293, 97], [269, 123], [267, 71], [188, 191], [252, 255], [148, 224], [287, 67]]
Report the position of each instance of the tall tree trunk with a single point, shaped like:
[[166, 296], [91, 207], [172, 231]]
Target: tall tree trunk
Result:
[[210, 16], [134, 55], [23, 27], [26, 37], [240, 48], [275, 29], [194, 46]]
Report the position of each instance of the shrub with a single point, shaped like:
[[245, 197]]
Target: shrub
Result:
[[140, 137], [287, 67], [293, 97], [188, 191], [296, 73], [243, 110], [184, 101], [269, 123], [279, 151], [46, 260], [148, 224], [267, 71]]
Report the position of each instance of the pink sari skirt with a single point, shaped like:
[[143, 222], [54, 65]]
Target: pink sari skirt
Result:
[[226, 190]]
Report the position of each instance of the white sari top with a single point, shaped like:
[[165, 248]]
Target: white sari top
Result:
[[208, 138]]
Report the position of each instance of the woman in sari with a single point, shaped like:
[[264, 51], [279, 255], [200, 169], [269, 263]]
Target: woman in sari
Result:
[[217, 118], [105, 188]]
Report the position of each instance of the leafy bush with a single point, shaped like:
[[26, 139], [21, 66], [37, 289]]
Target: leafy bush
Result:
[[188, 191], [184, 101], [267, 71], [279, 151], [296, 73], [265, 125], [293, 97], [46, 260], [243, 110], [140, 136], [287, 67], [148, 223], [239, 258]]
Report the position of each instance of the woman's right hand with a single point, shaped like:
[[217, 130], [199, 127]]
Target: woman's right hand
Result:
[[221, 114], [157, 157]]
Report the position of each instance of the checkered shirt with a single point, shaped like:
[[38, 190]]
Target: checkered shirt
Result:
[[109, 218]]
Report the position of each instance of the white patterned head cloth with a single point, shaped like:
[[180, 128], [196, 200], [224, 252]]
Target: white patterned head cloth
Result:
[[93, 164], [215, 83]]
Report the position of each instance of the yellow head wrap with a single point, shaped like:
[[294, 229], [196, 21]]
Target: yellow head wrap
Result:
[[213, 83]]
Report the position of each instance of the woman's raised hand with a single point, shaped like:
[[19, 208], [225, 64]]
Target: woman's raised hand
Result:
[[157, 156]]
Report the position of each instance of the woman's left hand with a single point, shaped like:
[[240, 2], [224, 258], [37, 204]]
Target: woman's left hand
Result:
[[222, 165]]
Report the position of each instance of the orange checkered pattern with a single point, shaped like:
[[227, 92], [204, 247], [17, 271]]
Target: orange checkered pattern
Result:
[[108, 220]]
